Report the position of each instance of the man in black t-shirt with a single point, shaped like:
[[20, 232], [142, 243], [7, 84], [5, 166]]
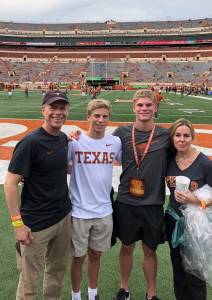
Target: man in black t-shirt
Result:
[[42, 223]]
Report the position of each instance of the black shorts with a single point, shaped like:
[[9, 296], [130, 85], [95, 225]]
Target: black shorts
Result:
[[135, 223]]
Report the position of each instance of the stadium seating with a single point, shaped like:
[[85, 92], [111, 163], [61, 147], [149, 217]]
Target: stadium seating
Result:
[[159, 51]]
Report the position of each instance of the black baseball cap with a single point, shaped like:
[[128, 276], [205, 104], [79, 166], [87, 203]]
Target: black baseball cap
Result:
[[53, 96]]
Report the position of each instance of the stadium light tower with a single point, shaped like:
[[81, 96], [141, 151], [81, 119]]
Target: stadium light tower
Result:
[[106, 69], [92, 69]]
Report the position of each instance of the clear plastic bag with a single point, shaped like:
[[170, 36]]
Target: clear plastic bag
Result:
[[197, 251]]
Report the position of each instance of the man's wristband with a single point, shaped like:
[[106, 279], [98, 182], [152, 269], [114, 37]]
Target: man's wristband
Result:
[[17, 223], [16, 218]]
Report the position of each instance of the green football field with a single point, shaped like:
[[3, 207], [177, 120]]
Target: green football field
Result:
[[109, 274], [197, 109]]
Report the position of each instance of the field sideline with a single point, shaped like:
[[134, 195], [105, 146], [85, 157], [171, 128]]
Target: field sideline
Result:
[[20, 115], [198, 109]]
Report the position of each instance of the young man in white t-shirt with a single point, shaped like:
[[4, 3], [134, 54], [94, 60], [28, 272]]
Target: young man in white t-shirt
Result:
[[92, 159]]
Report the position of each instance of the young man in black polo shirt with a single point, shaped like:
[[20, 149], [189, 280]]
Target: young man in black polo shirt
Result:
[[42, 223]]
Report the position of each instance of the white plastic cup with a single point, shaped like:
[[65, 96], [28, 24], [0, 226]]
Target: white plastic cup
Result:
[[182, 183]]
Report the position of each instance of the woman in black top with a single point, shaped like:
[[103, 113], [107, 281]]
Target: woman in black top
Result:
[[185, 161]]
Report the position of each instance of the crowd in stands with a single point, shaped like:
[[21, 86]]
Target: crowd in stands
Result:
[[180, 72]]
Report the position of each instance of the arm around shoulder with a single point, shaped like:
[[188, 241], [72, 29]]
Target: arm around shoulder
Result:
[[119, 149]]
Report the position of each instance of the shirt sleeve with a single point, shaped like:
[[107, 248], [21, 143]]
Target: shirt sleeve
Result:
[[208, 173], [119, 150], [22, 158], [70, 150], [117, 132]]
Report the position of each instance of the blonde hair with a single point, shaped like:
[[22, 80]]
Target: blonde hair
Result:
[[144, 94], [181, 122], [98, 103]]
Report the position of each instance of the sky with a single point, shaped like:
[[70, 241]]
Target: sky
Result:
[[74, 11]]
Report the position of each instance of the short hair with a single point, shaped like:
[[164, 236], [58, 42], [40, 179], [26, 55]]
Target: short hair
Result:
[[98, 103], [144, 94], [182, 122]]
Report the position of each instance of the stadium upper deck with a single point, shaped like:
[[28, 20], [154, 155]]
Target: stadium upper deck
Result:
[[63, 52], [109, 27], [108, 34]]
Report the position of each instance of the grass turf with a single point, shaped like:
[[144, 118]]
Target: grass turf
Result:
[[194, 108], [109, 274], [198, 110]]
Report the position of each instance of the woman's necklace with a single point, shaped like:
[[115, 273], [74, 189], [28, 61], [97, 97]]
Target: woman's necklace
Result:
[[184, 162]]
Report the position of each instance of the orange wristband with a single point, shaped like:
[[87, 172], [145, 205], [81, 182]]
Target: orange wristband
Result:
[[202, 204], [15, 218]]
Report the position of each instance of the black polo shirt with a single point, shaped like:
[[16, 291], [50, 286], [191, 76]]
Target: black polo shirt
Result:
[[41, 159]]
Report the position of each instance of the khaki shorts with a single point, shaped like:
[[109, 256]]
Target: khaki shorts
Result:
[[93, 233]]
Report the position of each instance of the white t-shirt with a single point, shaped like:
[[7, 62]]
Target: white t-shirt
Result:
[[91, 175]]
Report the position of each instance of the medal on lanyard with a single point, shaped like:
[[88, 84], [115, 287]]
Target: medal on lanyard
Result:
[[137, 187]]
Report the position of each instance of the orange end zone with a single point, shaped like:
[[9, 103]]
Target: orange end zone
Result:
[[201, 139]]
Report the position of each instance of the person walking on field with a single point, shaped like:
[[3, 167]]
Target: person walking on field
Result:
[[159, 99], [42, 223], [26, 91]]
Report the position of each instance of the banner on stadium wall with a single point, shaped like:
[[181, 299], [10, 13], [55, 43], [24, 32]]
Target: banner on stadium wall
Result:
[[141, 86], [63, 84], [106, 43], [42, 44], [103, 78], [94, 78]]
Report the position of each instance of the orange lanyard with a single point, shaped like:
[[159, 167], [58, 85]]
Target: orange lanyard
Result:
[[138, 162]]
